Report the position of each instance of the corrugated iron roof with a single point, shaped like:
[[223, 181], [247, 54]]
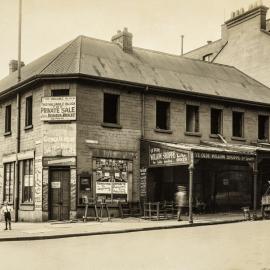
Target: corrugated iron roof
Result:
[[103, 59]]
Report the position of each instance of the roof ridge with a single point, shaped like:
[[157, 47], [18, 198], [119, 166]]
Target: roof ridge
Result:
[[60, 53], [205, 45], [80, 53]]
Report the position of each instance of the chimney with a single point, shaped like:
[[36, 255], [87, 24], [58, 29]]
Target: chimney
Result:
[[13, 66], [124, 39], [209, 41], [256, 12]]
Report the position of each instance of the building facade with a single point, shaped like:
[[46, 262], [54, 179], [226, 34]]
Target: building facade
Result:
[[244, 43], [116, 123]]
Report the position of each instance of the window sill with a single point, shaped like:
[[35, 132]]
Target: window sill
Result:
[[263, 140], [167, 131], [195, 134], [8, 133], [111, 125], [28, 127], [215, 136], [242, 139], [27, 206]]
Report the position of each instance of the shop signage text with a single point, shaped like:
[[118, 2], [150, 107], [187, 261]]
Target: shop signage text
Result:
[[111, 188], [224, 156], [143, 178], [160, 156], [58, 108]]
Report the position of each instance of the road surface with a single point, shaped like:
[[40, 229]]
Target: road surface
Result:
[[241, 246]]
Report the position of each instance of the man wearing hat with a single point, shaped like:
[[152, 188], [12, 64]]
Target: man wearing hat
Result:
[[181, 200]]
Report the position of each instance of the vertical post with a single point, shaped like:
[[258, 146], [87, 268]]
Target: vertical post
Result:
[[255, 181], [19, 40], [182, 44], [190, 200]]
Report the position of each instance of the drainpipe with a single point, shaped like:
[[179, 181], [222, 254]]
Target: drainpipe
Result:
[[143, 112], [18, 108]]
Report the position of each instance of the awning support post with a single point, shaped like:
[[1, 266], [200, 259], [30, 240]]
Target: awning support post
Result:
[[190, 200], [255, 180]]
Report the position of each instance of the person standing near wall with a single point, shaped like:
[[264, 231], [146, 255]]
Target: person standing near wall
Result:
[[6, 211], [180, 200]]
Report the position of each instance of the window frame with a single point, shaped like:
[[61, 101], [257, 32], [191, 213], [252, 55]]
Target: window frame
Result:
[[242, 122], [29, 111], [196, 119], [8, 118], [266, 128], [30, 192], [220, 121], [167, 116], [105, 122], [11, 182]]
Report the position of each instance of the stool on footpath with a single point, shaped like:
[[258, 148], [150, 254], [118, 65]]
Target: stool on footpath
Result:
[[246, 212]]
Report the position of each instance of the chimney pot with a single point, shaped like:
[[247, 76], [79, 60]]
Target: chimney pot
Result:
[[209, 41], [124, 39], [13, 65]]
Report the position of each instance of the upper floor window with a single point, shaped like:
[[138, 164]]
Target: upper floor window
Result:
[[163, 115], [192, 118], [60, 92], [8, 119], [238, 124], [216, 121], [29, 111], [207, 57], [9, 177], [111, 108], [263, 127]]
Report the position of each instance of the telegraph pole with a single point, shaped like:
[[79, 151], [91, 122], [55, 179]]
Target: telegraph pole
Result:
[[19, 40]]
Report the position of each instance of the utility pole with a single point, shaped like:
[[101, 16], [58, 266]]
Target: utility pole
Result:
[[19, 40]]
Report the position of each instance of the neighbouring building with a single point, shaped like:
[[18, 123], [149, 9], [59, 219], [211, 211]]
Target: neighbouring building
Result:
[[114, 122], [244, 43]]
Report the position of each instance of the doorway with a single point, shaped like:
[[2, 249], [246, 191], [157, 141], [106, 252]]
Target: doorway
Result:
[[59, 194]]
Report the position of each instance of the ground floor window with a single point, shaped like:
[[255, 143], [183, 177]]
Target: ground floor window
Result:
[[28, 181], [9, 176]]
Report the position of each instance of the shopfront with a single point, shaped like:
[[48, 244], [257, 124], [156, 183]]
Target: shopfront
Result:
[[221, 179]]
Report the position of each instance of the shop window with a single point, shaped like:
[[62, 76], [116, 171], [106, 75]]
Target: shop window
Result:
[[111, 109], [9, 176], [163, 115], [85, 187], [216, 121], [60, 92], [8, 119], [192, 118], [27, 181], [29, 111], [263, 127], [238, 124]]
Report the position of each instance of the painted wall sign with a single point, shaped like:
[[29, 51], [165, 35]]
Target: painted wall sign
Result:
[[143, 180], [58, 108], [161, 156], [55, 184], [224, 156]]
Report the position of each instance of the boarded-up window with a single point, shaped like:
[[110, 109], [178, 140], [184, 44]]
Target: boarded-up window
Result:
[[163, 115], [238, 124], [263, 127], [111, 109], [192, 118], [216, 121]]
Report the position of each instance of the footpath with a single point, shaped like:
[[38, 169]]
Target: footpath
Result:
[[23, 231]]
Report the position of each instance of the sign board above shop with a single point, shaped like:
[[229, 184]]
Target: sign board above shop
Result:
[[58, 108], [224, 156], [159, 156]]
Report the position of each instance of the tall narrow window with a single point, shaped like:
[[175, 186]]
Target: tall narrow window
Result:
[[238, 124], [8, 182], [216, 121], [8, 119], [163, 115], [60, 92], [111, 109], [192, 118], [263, 127], [28, 111], [27, 181]]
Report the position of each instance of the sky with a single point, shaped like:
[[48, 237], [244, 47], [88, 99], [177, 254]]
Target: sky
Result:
[[155, 24]]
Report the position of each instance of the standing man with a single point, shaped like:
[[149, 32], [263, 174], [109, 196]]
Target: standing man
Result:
[[6, 211], [180, 200]]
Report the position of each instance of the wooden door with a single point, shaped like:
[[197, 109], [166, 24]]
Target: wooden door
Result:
[[59, 194]]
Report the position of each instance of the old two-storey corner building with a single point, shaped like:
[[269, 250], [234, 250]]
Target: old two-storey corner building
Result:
[[244, 43], [114, 122]]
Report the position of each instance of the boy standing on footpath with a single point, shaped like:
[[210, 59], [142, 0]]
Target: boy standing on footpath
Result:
[[6, 211], [181, 200]]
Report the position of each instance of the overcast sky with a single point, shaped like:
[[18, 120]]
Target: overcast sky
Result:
[[155, 24]]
